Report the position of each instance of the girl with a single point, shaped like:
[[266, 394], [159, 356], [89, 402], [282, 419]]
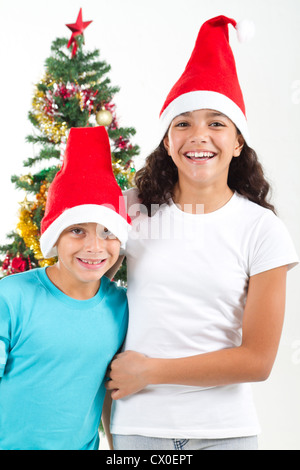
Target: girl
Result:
[[206, 270]]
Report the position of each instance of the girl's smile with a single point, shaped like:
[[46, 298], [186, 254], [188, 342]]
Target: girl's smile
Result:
[[200, 157]]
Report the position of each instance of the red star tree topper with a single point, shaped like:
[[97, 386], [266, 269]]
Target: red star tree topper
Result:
[[77, 30]]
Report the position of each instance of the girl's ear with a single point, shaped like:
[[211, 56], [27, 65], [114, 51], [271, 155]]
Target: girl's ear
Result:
[[166, 143], [240, 141]]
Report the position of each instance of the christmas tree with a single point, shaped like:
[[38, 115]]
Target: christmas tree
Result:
[[74, 92]]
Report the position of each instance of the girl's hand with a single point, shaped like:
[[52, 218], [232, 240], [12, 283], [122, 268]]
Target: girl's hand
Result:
[[127, 374]]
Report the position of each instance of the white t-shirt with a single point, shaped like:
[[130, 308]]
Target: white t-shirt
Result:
[[187, 286]]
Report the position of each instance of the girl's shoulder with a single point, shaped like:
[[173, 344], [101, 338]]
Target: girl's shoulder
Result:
[[131, 196], [132, 202], [252, 210]]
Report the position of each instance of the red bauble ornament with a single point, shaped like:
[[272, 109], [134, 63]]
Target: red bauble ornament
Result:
[[6, 262], [18, 264]]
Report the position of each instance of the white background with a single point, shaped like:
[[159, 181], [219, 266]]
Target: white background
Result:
[[148, 43]]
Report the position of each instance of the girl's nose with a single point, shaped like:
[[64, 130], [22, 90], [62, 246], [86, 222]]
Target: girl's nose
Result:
[[199, 134]]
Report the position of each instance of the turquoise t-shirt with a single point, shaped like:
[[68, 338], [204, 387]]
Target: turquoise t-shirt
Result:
[[54, 352]]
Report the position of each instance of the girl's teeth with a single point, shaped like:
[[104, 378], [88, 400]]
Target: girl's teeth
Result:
[[200, 154]]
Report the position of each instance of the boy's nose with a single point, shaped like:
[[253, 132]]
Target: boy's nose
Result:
[[95, 244]]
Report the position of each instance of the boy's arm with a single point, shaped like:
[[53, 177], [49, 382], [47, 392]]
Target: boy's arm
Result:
[[115, 268], [3, 356], [106, 418], [5, 333]]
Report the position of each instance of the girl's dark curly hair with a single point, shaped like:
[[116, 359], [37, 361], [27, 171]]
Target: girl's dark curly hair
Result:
[[156, 180]]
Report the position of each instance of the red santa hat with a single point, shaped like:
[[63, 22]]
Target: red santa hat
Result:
[[84, 190], [210, 80]]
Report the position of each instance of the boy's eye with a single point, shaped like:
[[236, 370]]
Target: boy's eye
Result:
[[77, 231], [109, 234], [105, 234]]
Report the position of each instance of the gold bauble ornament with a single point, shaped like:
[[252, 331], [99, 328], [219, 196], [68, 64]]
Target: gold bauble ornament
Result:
[[104, 117]]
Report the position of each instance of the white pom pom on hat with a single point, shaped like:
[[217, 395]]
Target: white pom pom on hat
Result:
[[245, 30]]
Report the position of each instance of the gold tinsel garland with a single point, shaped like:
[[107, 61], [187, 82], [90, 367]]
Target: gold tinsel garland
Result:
[[56, 131], [27, 228]]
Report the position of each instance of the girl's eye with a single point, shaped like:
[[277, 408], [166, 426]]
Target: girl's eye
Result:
[[217, 124], [182, 124]]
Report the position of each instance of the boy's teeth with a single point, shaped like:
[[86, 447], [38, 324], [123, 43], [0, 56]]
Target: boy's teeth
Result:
[[91, 262]]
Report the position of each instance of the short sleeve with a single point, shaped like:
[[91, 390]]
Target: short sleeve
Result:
[[271, 246], [4, 333]]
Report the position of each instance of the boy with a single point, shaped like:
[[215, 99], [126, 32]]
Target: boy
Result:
[[60, 326]]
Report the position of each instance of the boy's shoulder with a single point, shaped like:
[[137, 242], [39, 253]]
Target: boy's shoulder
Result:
[[115, 301], [13, 282], [115, 295]]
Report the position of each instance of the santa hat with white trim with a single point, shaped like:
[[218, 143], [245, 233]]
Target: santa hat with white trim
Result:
[[84, 190], [210, 80]]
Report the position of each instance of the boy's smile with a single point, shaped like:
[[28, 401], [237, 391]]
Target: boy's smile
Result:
[[85, 254], [92, 264]]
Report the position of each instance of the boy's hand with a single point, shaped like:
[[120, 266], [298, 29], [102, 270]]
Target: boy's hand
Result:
[[127, 374]]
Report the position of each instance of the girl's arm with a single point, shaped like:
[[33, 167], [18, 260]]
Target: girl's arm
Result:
[[250, 362]]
